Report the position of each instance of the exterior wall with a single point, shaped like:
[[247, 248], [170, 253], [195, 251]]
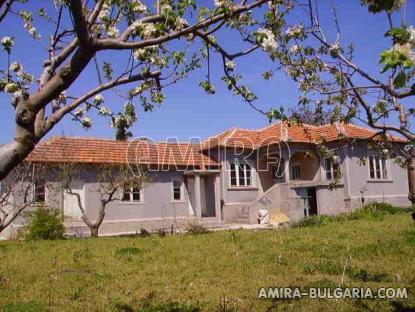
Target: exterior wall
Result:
[[236, 198], [393, 190], [157, 201], [239, 194], [158, 209], [330, 202]]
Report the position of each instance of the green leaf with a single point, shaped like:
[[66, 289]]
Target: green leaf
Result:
[[400, 80], [400, 35]]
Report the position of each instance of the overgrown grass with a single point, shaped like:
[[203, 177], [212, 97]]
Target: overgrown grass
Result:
[[220, 271], [372, 211]]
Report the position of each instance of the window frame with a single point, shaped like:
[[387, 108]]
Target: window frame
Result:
[[173, 188], [380, 165], [292, 171], [238, 177], [36, 193], [332, 171], [131, 193]]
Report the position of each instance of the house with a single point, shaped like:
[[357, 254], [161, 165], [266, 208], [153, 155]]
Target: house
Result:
[[229, 177]]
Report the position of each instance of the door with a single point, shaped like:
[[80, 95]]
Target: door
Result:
[[207, 190], [312, 201], [71, 208]]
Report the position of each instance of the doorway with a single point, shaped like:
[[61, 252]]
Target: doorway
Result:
[[207, 190], [312, 201]]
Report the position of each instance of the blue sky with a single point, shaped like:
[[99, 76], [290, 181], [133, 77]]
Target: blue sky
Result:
[[188, 111]]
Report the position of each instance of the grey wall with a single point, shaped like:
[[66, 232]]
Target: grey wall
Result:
[[394, 189], [157, 201], [237, 195]]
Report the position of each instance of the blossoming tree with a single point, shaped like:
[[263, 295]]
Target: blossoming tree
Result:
[[158, 44], [332, 81]]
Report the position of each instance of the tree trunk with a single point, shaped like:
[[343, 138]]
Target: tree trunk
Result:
[[411, 174], [94, 231]]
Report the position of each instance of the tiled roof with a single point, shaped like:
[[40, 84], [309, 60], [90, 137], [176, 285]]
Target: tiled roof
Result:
[[104, 151], [283, 131]]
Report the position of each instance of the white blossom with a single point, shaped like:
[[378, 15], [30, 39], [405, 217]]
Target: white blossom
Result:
[[335, 47], [33, 32], [15, 67], [165, 7], [18, 94], [221, 3], [139, 54], [411, 31], [405, 49], [115, 122], [105, 10], [145, 29], [105, 111], [11, 87], [98, 99], [266, 39], [7, 43], [113, 32], [294, 31], [79, 112], [295, 49], [138, 7], [86, 122], [180, 23], [230, 65], [148, 29]]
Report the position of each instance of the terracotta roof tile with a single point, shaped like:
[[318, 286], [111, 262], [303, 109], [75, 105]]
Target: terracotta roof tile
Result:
[[95, 150], [105, 151], [283, 131]]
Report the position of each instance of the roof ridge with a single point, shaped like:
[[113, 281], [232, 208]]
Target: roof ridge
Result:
[[274, 124]]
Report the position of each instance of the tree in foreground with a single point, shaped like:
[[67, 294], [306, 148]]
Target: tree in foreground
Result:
[[113, 183], [18, 192], [134, 48], [332, 81]]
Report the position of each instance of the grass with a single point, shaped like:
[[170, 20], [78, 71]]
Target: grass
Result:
[[221, 271]]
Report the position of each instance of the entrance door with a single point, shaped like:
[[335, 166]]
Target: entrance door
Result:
[[207, 194], [312, 201]]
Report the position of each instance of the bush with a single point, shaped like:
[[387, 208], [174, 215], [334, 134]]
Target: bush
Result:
[[371, 211], [195, 229], [46, 224]]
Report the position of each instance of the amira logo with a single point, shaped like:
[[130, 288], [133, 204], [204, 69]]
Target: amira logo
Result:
[[270, 154], [280, 293]]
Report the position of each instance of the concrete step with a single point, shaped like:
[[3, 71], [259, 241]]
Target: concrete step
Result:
[[241, 220]]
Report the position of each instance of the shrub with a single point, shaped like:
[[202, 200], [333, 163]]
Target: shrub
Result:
[[371, 211], [46, 224], [314, 221], [195, 229], [144, 232], [161, 232]]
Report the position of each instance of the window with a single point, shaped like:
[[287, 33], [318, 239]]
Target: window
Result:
[[377, 168], [278, 170], [295, 171], [177, 190], [40, 191], [131, 194], [331, 168], [240, 174]]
